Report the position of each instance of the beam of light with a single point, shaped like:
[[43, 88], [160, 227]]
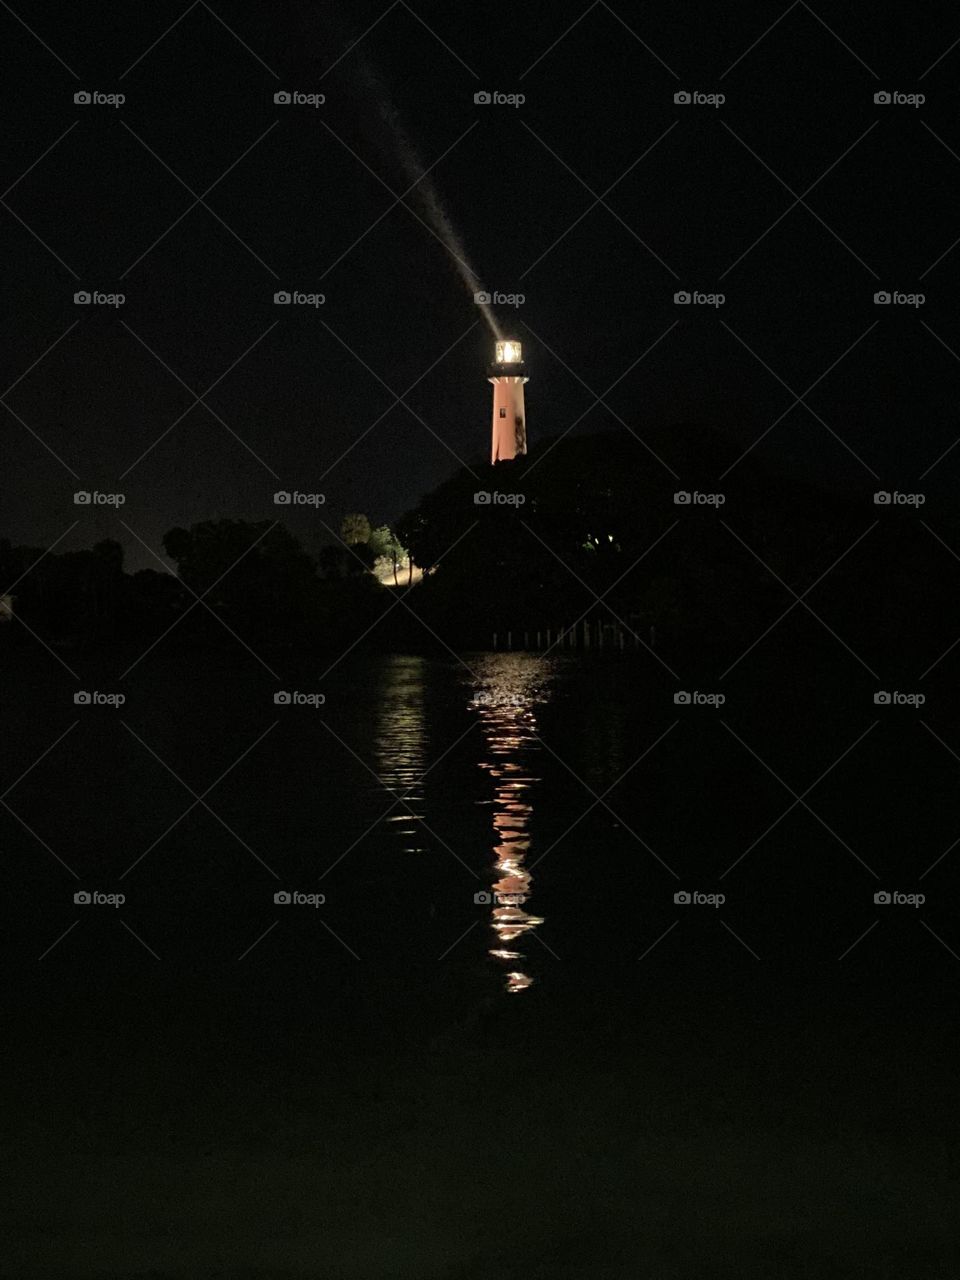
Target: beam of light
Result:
[[425, 190]]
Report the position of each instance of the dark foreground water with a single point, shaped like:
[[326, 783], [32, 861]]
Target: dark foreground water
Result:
[[416, 1078]]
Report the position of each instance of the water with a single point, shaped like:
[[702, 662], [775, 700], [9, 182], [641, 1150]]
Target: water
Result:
[[418, 1076], [495, 822]]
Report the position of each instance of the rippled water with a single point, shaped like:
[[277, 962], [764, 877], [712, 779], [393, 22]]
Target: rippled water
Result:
[[506, 700], [503, 692], [498, 839], [491, 821]]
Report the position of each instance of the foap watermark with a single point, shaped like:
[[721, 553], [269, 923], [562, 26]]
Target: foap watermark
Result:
[[294, 298], [488, 98], [94, 498], [94, 298], [695, 98], [885, 698], [685, 698], [688, 298], [495, 299], [894, 98], [886, 498], [294, 498], [484, 499], [93, 698], [293, 698], [499, 700], [489, 897], [894, 298], [294, 898], [694, 898], [96, 898], [694, 498], [295, 98], [94, 98], [894, 898]]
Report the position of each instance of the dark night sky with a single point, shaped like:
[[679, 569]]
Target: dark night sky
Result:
[[597, 300]]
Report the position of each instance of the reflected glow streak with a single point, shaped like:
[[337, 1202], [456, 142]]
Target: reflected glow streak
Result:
[[518, 981], [400, 746], [510, 688]]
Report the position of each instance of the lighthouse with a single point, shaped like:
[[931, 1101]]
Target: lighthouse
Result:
[[508, 374]]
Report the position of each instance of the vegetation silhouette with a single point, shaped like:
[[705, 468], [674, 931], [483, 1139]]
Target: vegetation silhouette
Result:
[[586, 528]]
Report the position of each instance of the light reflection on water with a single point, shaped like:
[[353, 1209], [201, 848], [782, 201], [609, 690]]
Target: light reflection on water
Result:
[[401, 744], [509, 687], [504, 693]]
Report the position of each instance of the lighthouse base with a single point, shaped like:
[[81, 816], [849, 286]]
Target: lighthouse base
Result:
[[509, 436]]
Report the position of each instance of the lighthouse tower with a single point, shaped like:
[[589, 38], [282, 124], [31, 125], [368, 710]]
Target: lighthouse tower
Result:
[[508, 374]]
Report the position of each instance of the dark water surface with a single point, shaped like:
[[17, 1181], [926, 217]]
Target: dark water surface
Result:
[[416, 1077]]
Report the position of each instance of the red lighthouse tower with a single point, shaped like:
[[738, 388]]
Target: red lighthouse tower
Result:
[[508, 374]]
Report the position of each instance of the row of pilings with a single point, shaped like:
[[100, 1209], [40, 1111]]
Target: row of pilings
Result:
[[578, 635]]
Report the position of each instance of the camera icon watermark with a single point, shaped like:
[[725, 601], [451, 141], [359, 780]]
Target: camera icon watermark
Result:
[[885, 898], [484, 699], [486, 98], [489, 898], [688, 298], [86, 698], [694, 498], [685, 698], [88, 98], [85, 898], [295, 298], [86, 298], [294, 498], [483, 498], [894, 298], [886, 498], [483, 298], [288, 698], [94, 498], [294, 97], [887, 98], [283, 898], [683, 898], [694, 98]]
